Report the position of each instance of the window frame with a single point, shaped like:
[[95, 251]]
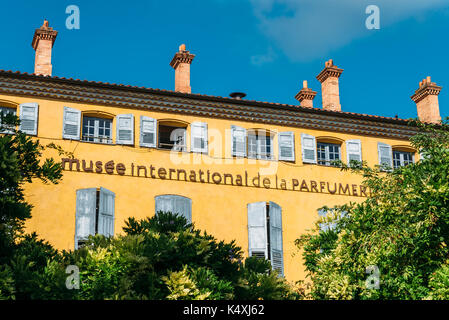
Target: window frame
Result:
[[176, 125], [401, 159], [9, 108], [262, 136], [327, 161], [96, 137]]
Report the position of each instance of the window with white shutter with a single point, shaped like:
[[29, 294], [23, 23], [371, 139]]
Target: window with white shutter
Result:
[[125, 129], [308, 146], [275, 236], [265, 233], [199, 139], [286, 142], [354, 150], [257, 230], [238, 140], [86, 203], [71, 123], [148, 132], [95, 214], [106, 211], [29, 118], [385, 154], [175, 204]]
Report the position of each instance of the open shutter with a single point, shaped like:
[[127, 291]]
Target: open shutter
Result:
[[125, 129], [148, 132], [286, 141], [175, 204], [257, 230], [71, 123], [308, 145], [183, 206], [354, 150], [277, 253], [106, 213], [198, 136], [385, 154], [238, 136], [86, 200], [28, 118]]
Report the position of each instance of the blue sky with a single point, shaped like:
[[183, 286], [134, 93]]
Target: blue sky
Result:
[[265, 48]]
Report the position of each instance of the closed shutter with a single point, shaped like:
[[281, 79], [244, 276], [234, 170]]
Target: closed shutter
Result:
[[238, 136], [125, 129], [106, 213], [354, 150], [86, 201], [257, 230], [28, 118], [286, 141], [175, 204], [199, 139], [71, 123], [148, 132], [308, 145], [385, 154], [276, 254]]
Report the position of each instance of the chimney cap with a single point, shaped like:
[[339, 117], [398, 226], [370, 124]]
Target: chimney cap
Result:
[[237, 95]]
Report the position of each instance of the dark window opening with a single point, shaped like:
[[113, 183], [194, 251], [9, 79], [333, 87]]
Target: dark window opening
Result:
[[172, 138]]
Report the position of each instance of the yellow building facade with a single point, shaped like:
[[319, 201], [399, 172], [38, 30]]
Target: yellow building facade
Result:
[[252, 171]]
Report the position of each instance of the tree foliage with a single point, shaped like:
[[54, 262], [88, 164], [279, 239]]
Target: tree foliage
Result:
[[402, 229]]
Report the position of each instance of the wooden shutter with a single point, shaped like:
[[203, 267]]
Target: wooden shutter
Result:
[[106, 212], [238, 137], [354, 150], [277, 253], [385, 154], [125, 129], [308, 145], [199, 139], [257, 229], [175, 204], [71, 123], [286, 142], [86, 200], [28, 118], [148, 130]]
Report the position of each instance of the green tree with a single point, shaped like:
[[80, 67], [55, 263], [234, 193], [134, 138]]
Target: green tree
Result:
[[401, 230], [165, 257], [26, 265]]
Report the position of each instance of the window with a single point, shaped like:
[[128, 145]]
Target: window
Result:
[[327, 153], [265, 233], [260, 144], [4, 111], [286, 146], [199, 136], [175, 204], [402, 158], [97, 130], [172, 136], [94, 214], [148, 132]]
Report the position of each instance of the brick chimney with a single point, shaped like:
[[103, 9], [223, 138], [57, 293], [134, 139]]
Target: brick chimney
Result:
[[426, 99], [181, 63], [329, 86], [305, 96], [43, 41]]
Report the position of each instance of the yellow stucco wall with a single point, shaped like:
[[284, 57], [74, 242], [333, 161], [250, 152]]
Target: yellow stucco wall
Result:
[[221, 210]]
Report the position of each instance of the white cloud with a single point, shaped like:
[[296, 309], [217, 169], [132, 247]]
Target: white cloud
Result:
[[261, 59], [309, 29]]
